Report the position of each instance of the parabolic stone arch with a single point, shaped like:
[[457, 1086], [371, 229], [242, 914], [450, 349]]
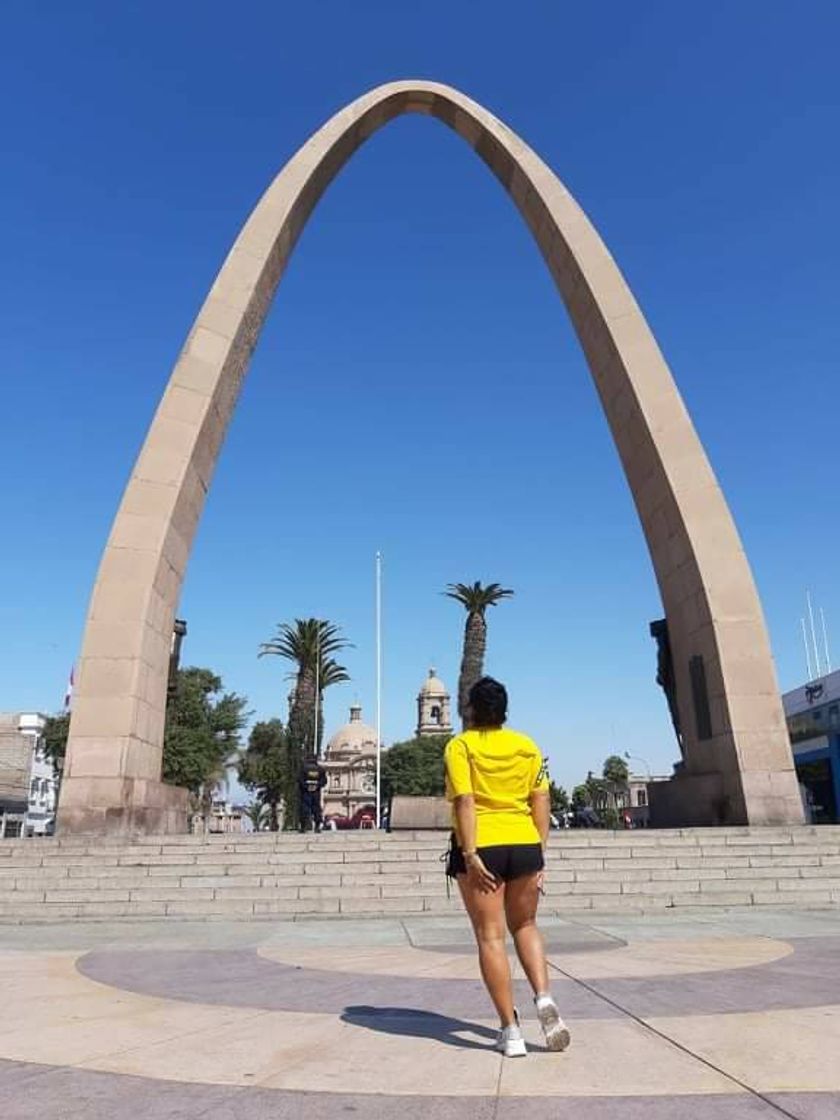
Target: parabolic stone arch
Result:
[[738, 766]]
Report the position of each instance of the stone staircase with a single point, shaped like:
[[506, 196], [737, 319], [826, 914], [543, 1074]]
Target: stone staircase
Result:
[[356, 874]]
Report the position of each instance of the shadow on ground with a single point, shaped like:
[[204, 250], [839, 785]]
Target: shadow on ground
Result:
[[413, 1023]]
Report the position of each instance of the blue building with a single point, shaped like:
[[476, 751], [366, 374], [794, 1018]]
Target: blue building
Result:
[[813, 719]]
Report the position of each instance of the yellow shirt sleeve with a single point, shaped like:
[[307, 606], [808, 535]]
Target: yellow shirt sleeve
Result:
[[539, 772], [458, 773]]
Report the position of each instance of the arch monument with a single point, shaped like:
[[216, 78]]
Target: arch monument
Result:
[[737, 764]]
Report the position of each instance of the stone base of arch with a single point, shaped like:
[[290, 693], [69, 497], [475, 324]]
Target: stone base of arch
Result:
[[759, 799], [121, 807]]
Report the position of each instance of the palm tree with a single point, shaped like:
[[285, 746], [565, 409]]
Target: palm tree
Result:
[[475, 600], [616, 776], [310, 644], [255, 812]]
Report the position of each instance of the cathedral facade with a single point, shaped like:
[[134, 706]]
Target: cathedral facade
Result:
[[350, 756], [350, 764]]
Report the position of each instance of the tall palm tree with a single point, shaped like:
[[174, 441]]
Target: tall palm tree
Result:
[[475, 599], [310, 644]]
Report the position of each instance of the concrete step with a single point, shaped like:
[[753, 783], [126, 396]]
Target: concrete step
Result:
[[289, 876]]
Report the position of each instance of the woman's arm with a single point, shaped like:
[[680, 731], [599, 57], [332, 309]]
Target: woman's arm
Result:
[[541, 812], [466, 829]]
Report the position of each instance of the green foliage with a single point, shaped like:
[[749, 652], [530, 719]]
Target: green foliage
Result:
[[475, 599], [263, 768], [597, 791], [55, 733], [559, 799], [414, 768], [616, 771], [610, 817], [203, 726], [581, 797], [310, 644]]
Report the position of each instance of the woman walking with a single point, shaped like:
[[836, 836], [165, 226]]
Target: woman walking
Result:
[[498, 784]]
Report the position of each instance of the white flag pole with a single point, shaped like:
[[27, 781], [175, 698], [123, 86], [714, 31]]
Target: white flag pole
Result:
[[813, 635], [825, 641], [807, 651], [378, 689]]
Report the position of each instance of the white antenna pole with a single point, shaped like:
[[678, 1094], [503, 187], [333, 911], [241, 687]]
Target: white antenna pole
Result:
[[378, 689], [807, 650], [825, 640], [813, 634]]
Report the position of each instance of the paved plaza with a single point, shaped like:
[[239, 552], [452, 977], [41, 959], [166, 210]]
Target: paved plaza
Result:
[[726, 1015]]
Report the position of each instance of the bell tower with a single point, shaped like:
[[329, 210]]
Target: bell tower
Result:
[[433, 707]]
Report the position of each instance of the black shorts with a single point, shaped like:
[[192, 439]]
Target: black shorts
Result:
[[504, 861]]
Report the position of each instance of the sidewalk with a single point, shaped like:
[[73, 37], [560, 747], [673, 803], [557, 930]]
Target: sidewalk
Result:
[[725, 1015]]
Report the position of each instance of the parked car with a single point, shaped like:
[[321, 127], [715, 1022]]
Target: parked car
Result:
[[586, 817], [338, 821], [363, 818]]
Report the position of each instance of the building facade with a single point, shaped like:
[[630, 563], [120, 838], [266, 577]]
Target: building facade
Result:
[[28, 787], [630, 801], [813, 719], [434, 716], [350, 764]]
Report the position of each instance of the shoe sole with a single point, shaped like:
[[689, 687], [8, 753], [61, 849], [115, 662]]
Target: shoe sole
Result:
[[557, 1037]]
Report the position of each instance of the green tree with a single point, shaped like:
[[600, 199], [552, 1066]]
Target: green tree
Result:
[[581, 797], [263, 767], [616, 770], [559, 799], [610, 817], [616, 777], [55, 733], [598, 792], [475, 599], [202, 736], [414, 768], [310, 644]]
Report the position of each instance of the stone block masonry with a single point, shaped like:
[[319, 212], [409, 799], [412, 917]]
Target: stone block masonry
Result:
[[292, 877]]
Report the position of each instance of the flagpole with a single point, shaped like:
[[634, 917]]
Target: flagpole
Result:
[[378, 689], [813, 634]]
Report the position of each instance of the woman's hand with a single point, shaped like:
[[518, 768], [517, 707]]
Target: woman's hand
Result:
[[478, 874]]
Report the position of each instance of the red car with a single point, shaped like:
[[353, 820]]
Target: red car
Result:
[[362, 818]]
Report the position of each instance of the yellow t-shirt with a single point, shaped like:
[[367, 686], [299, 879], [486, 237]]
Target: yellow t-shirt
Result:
[[501, 769]]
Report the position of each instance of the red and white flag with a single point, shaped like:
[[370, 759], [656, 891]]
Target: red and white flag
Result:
[[68, 695]]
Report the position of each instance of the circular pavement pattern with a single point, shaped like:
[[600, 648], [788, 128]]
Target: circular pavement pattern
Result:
[[735, 1027]]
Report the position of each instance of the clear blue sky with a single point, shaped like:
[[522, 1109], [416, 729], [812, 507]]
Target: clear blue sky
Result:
[[418, 387]]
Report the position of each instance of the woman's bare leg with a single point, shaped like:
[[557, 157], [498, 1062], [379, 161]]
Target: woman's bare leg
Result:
[[521, 901], [487, 914]]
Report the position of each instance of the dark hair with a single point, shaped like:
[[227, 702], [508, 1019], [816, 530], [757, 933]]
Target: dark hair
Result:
[[488, 700]]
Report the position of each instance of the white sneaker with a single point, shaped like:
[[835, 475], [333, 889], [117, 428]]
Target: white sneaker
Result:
[[556, 1032], [510, 1041]]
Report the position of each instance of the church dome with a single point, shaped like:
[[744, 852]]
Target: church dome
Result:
[[354, 737], [433, 685]]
